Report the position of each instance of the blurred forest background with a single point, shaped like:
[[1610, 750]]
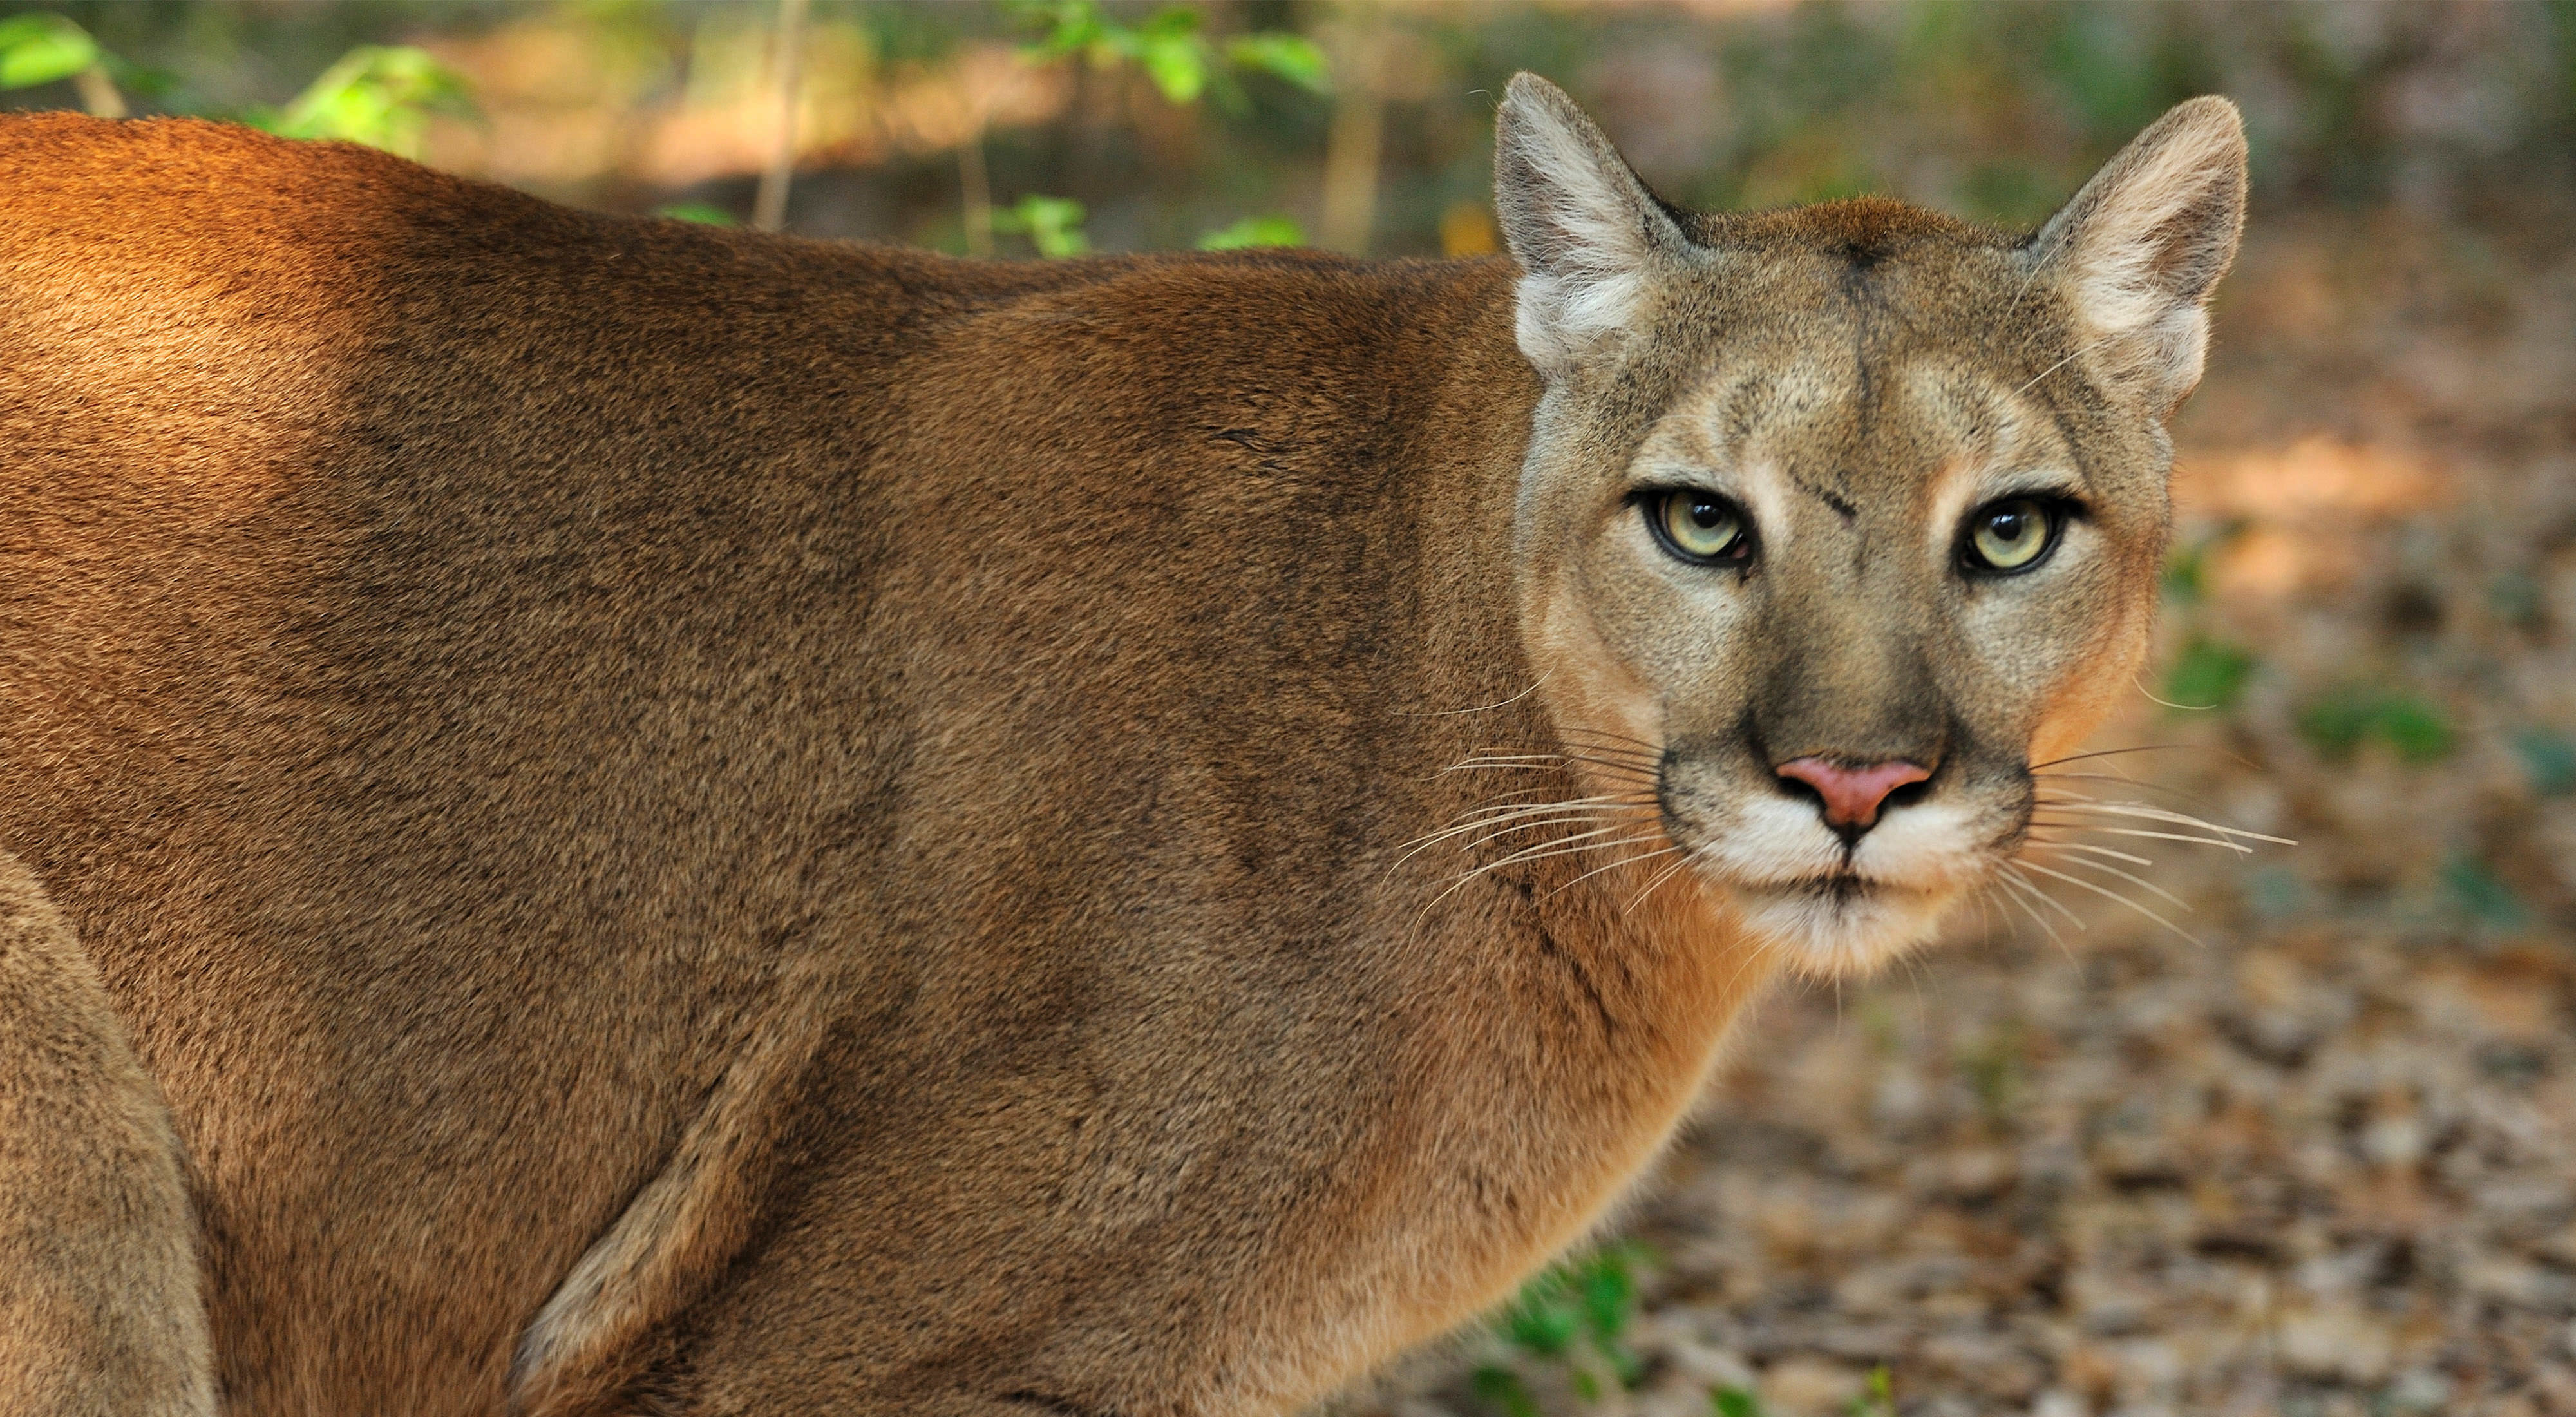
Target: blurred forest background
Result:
[[2317, 1156]]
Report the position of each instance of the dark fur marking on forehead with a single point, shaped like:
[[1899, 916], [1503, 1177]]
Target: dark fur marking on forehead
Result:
[[1830, 499], [2066, 433]]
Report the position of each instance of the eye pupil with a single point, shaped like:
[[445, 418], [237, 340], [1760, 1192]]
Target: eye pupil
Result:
[[2010, 536], [1699, 526]]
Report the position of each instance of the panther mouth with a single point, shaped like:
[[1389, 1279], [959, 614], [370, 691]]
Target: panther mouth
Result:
[[1838, 887], [1840, 922]]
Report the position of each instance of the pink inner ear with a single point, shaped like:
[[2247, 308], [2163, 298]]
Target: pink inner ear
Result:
[[1852, 795]]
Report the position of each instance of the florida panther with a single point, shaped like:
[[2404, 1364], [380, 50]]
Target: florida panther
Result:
[[614, 817]]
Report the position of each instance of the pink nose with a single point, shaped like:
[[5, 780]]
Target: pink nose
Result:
[[1853, 795]]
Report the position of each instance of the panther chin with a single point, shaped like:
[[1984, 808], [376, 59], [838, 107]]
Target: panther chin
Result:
[[1841, 924]]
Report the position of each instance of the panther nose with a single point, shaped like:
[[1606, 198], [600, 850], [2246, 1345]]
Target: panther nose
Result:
[[1852, 796]]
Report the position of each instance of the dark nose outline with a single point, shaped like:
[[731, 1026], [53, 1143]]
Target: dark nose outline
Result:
[[1851, 796]]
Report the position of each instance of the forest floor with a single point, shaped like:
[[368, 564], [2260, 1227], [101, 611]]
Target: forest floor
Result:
[[2319, 1160]]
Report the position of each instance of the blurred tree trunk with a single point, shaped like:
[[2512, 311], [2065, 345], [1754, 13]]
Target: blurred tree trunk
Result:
[[98, 93], [769, 207], [976, 186], [1357, 44]]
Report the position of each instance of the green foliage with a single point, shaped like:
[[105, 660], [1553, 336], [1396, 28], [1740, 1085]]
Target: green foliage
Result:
[[380, 95], [2010, 191], [1169, 48], [1502, 1390], [2186, 573], [1254, 231], [1993, 1068], [1172, 49], [2210, 674], [2338, 724], [1879, 1400], [1282, 55], [2473, 888], [2515, 598], [699, 213], [2549, 758], [2105, 67], [1576, 1314], [1052, 224], [42, 48]]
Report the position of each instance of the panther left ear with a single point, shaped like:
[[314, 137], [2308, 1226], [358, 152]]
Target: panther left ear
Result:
[[1586, 231], [2139, 250]]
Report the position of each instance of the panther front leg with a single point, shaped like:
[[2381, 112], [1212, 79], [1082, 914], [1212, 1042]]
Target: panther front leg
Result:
[[101, 1313]]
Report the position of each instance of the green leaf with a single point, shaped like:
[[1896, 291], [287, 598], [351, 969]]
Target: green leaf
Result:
[[1177, 63], [1254, 231], [1545, 1325], [2475, 889], [2334, 725], [2339, 723], [380, 95], [142, 80], [42, 48], [1879, 1401], [2414, 728], [1542, 1319], [1734, 1402], [1071, 26], [2210, 674], [698, 213], [2186, 576], [2515, 598], [2186, 572], [2549, 758], [1502, 1390], [1171, 22], [1052, 224], [1607, 1284], [1609, 1287], [1278, 53]]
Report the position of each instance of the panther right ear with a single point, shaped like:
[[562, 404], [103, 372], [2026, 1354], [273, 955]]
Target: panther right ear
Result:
[[2140, 248], [1584, 228]]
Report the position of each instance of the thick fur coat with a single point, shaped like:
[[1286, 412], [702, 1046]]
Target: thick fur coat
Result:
[[614, 817]]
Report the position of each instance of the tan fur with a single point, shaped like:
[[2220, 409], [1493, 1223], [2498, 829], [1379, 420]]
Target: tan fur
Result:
[[701, 823], [90, 1173]]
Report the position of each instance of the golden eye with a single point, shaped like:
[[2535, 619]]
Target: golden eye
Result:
[[2010, 535], [1702, 526]]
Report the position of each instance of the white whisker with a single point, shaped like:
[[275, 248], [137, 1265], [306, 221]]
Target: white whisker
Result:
[[1508, 819], [2109, 894], [1481, 708], [1660, 877], [1562, 846], [2013, 892], [2160, 814], [2238, 847], [2014, 869], [1612, 866], [2139, 881], [2131, 857], [2051, 369]]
